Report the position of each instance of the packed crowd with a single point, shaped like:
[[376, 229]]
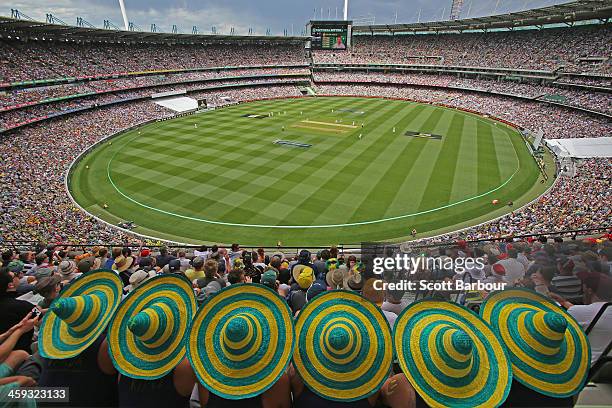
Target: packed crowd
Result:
[[579, 202], [35, 60], [584, 198], [28, 159], [13, 118], [575, 275], [557, 122], [19, 97], [548, 49], [596, 101]]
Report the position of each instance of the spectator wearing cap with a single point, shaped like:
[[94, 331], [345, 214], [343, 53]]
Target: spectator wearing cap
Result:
[[197, 269], [68, 270], [138, 278], [315, 289], [163, 258], [84, 265], [12, 310], [498, 273], [269, 279], [25, 282], [42, 272], [48, 287], [174, 266], [515, 271]]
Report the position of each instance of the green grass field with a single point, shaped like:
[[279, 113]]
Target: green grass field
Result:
[[228, 181]]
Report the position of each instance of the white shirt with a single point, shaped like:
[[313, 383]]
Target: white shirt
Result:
[[391, 317], [514, 270], [394, 307], [602, 332]]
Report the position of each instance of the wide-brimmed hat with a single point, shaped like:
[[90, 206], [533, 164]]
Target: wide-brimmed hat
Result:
[[66, 268], [241, 341], [352, 280], [451, 356], [303, 275], [79, 315], [334, 278], [344, 348], [47, 283], [122, 263], [548, 349], [147, 336], [139, 277]]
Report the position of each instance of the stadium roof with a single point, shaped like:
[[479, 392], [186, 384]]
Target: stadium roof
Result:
[[27, 28], [567, 13]]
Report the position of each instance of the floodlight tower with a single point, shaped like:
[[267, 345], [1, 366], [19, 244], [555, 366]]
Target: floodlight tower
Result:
[[124, 15], [345, 10], [456, 9]]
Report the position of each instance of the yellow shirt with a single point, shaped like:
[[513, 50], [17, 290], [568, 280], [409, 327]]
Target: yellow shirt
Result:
[[193, 274]]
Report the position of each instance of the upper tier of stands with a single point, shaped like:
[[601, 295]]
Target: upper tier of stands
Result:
[[578, 49]]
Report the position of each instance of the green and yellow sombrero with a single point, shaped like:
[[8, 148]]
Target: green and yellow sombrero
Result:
[[147, 336], [344, 349], [451, 356], [241, 341], [549, 351], [80, 314]]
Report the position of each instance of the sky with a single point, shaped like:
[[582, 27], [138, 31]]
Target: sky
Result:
[[258, 15]]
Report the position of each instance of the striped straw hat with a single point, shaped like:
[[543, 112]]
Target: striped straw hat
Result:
[[451, 356], [344, 349], [549, 351], [147, 336], [241, 341], [80, 314]]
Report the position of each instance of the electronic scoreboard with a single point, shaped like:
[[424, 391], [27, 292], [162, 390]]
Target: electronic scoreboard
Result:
[[330, 35]]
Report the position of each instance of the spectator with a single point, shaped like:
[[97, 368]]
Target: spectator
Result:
[[12, 311]]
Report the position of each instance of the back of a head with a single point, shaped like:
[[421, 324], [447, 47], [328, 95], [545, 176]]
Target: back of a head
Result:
[[275, 262], [325, 255], [40, 258], [371, 294], [235, 276], [210, 268], [116, 252], [197, 263]]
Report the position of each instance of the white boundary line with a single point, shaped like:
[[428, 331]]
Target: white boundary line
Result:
[[86, 150]]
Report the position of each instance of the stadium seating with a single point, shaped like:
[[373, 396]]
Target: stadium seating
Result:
[[550, 49]]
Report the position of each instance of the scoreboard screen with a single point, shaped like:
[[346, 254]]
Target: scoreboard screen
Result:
[[330, 35]]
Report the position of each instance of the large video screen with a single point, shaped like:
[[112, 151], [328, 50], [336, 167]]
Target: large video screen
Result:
[[326, 36]]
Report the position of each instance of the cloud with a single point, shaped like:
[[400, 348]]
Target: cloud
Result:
[[260, 15]]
